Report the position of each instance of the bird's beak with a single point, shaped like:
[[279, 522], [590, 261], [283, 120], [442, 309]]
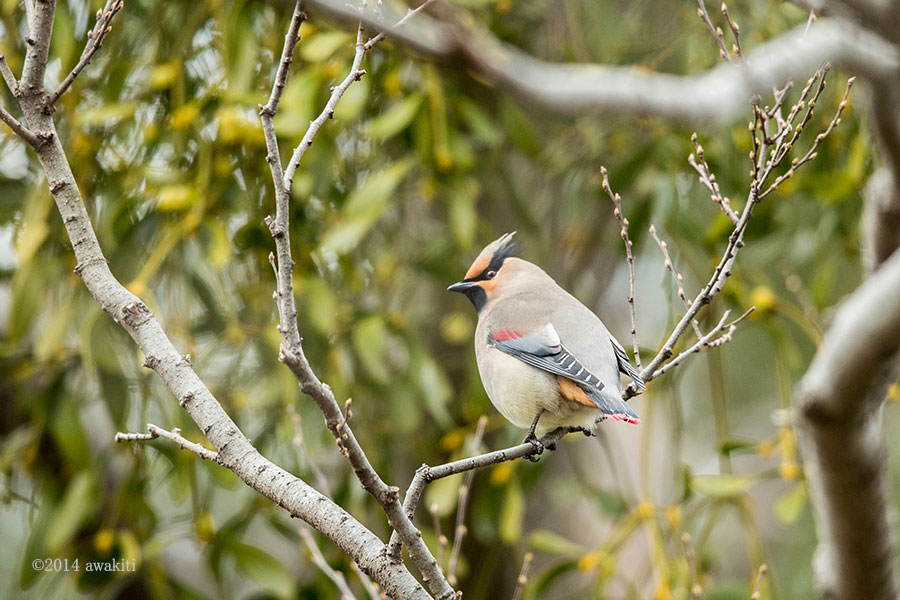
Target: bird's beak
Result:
[[462, 286]]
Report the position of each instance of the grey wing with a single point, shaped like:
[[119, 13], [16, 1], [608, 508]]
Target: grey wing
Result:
[[624, 364], [544, 352]]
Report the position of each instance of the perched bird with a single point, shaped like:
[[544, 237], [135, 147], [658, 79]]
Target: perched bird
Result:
[[545, 359]]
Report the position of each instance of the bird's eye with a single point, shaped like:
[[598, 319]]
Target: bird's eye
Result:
[[490, 274]]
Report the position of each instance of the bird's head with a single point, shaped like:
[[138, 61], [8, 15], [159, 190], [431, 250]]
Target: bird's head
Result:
[[482, 278]]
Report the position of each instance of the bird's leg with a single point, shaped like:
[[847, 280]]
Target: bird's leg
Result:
[[530, 438]]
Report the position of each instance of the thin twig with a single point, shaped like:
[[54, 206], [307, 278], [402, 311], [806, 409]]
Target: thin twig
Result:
[[708, 179], [335, 576], [459, 532], [8, 76], [679, 280], [154, 432], [629, 258], [522, 579], [406, 17], [760, 575], [443, 542], [356, 73], [426, 474], [696, 590], [370, 586], [710, 340], [19, 129], [291, 351], [95, 41], [717, 32], [812, 152], [735, 30]]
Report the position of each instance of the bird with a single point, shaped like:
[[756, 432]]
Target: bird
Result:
[[545, 359]]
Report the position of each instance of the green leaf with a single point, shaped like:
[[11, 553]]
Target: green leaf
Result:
[[395, 119], [369, 338], [321, 45], [721, 486], [436, 390], [444, 494], [364, 207], [463, 216], [731, 444], [14, 444], [263, 569], [511, 514], [353, 101], [78, 504], [548, 542], [789, 507]]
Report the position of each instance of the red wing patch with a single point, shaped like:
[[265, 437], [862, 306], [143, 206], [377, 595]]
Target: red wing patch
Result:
[[624, 417], [506, 334]]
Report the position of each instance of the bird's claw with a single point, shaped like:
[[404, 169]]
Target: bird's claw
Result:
[[538, 448]]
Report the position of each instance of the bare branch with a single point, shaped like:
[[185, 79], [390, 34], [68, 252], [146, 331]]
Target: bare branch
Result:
[[716, 31], [355, 74], [717, 95], [19, 129], [291, 353], [95, 41], [8, 76], [711, 340], [425, 474], [522, 579], [811, 153], [629, 259], [760, 575], [459, 532], [709, 180], [735, 31], [370, 586], [338, 578], [679, 279], [38, 48], [843, 444], [409, 13], [155, 432]]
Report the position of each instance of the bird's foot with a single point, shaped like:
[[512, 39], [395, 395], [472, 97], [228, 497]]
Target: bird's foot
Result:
[[538, 447]]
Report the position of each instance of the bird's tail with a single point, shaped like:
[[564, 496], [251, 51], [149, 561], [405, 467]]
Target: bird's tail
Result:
[[613, 407]]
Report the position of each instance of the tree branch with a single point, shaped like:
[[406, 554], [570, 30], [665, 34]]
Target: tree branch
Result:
[[629, 259], [842, 441], [95, 42], [718, 94], [233, 449], [19, 129], [8, 76], [425, 474], [38, 48], [292, 353], [155, 432], [335, 576]]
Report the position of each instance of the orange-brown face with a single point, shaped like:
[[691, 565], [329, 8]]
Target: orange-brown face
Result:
[[479, 282]]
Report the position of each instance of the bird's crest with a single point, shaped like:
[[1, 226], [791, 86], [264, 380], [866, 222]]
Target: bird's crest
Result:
[[493, 255]]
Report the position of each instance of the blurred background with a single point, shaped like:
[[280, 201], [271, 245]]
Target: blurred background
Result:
[[421, 167]]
